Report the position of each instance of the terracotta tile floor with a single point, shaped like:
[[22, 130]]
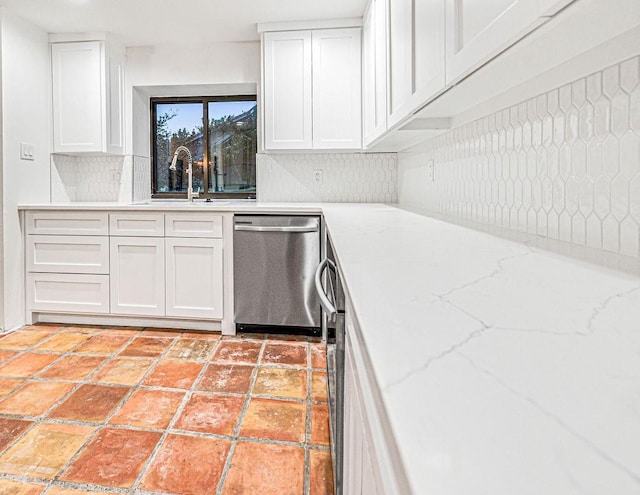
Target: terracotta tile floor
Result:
[[127, 410]]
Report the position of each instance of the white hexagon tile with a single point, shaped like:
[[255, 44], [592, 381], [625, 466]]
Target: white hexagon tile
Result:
[[563, 165], [346, 177], [141, 178], [100, 178]]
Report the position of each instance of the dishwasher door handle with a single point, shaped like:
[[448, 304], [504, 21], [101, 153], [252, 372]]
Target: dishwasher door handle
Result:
[[274, 228], [328, 306]]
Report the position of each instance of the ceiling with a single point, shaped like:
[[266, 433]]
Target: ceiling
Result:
[[154, 22]]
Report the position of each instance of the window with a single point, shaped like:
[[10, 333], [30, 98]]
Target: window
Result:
[[224, 151]]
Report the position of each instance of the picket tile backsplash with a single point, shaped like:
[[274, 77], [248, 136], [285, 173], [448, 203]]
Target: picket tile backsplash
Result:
[[346, 177], [563, 165]]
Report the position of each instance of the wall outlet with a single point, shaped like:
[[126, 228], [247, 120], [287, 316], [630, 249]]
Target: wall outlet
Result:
[[431, 176], [317, 176], [116, 175], [26, 152]]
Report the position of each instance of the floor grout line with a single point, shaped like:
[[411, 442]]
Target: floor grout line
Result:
[[238, 426], [308, 426]]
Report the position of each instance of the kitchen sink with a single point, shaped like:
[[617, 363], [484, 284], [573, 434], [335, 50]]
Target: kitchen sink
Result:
[[183, 203]]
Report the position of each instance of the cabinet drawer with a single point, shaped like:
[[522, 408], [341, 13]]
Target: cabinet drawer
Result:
[[68, 254], [136, 224], [193, 225], [67, 223], [78, 293]]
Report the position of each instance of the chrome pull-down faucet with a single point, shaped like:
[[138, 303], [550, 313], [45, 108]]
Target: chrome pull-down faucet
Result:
[[174, 162]]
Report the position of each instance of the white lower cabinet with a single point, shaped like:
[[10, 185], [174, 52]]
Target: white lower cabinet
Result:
[[360, 470], [194, 270], [353, 429], [137, 276], [67, 262], [142, 264], [371, 460]]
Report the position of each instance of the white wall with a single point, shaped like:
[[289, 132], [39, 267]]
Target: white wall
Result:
[[193, 68], [25, 118]]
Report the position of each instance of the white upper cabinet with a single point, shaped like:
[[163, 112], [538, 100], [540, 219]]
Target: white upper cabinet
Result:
[[374, 66], [287, 90], [428, 51], [399, 58], [312, 89], [552, 7], [416, 55], [479, 31], [88, 87], [337, 83]]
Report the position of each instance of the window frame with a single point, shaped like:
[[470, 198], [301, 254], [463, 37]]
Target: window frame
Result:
[[206, 193]]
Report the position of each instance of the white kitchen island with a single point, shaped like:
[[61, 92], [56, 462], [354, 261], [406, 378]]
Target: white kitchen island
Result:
[[495, 367]]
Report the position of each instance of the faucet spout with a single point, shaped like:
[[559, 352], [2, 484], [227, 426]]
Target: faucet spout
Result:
[[174, 162]]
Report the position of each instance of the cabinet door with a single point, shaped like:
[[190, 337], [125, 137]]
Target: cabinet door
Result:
[[337, 93], [77, 71], [115, 100], [194, 278], [137, 276], [370, 471], [372, 464], [374, 77], [353, 429], [287, 90], [427, 51], [417, 55], [399, 59], [478, 31]]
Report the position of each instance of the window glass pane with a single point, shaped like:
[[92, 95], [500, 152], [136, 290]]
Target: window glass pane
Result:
[[232, 146], [178, 124]]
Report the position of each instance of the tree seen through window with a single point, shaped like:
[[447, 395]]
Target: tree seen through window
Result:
[[226, 165]]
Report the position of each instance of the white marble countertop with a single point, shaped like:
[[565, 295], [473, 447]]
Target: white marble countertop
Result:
[[240, 206], [504, 369]]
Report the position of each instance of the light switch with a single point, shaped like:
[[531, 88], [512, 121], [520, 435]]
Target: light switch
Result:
[[26, 151]]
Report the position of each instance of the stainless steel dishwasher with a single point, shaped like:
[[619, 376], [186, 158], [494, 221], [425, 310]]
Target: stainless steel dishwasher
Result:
[[274, 259]]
